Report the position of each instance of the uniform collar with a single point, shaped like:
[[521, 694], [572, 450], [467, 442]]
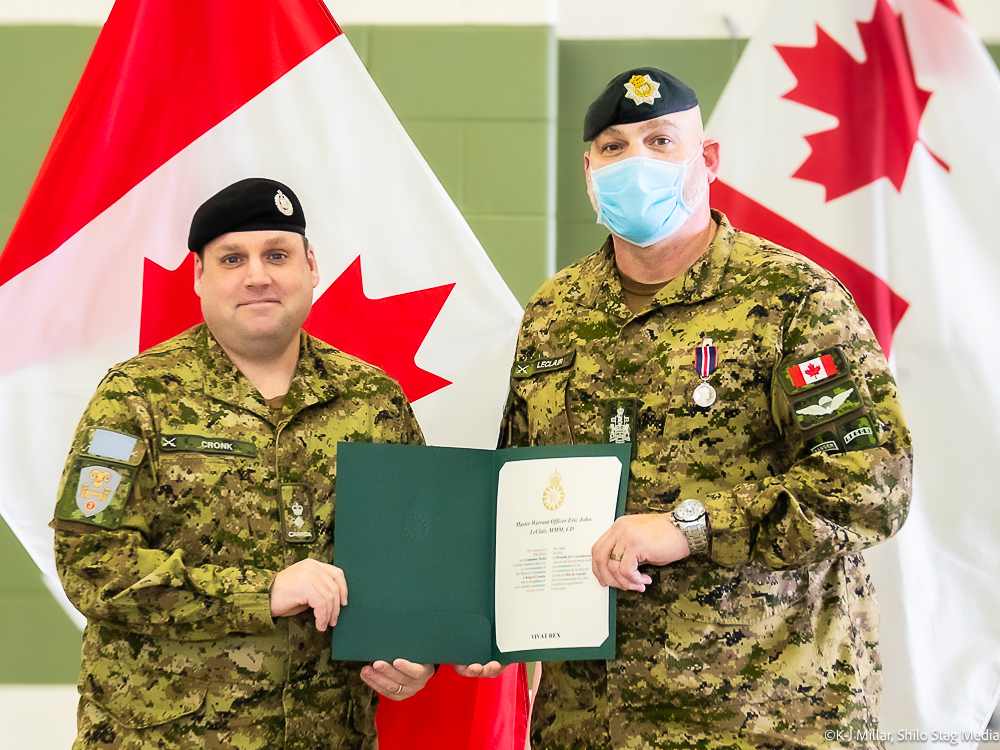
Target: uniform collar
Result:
[[311, 384], [703, 280]]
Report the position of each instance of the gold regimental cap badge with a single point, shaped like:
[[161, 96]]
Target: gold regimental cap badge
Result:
[[554, 495], [283, 203], [642, 90]]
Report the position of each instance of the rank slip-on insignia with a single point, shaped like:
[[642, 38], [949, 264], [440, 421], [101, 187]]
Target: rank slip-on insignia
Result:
[[96, 488], [297, 523], [642, 89], [620, 416], [706, 359]]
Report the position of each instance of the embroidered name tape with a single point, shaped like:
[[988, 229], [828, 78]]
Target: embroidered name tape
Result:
[[528, 368], [202, 444]]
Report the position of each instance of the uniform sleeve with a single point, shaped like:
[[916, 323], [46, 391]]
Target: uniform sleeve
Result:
[[108, 567], [829, 499]]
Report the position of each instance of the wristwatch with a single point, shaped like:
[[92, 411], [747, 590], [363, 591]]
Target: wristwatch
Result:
[[691, 519]]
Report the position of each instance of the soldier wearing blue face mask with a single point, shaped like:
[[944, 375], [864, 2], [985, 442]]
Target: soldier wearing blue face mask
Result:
[[768, 451]]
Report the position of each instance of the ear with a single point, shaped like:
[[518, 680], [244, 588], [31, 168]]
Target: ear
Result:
[[199, 269], [586, 163], [710, 150], [313, 266]]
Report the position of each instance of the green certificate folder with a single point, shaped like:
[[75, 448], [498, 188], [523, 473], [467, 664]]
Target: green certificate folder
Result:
[[416, 536]]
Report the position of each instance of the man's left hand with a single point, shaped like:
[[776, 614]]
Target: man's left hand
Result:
[[634, 540], [398, 680]]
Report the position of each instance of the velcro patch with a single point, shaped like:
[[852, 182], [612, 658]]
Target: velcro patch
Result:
[[297, 523], [95, 493], [857, 434], [813, 371], [528, 368], [827, 404], [824, 442], [201, 444], [620, 421]]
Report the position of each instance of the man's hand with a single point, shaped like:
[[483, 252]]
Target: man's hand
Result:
[[634, 540], [398, 680], [310, 583], [492, 669]]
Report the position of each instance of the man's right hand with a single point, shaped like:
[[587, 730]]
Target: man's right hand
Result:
[[491, 669], [310, 584]]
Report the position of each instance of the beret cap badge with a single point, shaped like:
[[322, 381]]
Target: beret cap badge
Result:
[[284, 205], [642, 90], [624, 100]]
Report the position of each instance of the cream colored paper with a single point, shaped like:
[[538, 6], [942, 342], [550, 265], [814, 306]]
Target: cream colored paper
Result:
[[549, 514]]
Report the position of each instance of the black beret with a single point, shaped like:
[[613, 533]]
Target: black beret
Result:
[[637, 95], [250, 205]]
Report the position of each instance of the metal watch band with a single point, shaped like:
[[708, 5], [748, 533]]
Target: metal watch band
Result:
[[697, 535]]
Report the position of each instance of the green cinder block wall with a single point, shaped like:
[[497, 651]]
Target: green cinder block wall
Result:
[[478, 101], [491, 108]]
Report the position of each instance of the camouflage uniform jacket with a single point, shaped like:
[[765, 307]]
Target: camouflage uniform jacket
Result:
[[772, 632], [221, 493]]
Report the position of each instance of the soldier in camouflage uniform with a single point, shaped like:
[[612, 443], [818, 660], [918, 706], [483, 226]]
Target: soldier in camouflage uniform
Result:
[[749, 386], [195, 518]]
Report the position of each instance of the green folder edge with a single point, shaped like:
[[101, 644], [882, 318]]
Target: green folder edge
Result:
[[364, 466]]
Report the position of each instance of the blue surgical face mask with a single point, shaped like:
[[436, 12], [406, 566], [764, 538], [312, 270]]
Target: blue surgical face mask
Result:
[[640, 199]]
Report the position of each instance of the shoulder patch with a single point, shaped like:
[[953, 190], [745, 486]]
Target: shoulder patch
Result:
[[813, 371], [95, 493], [115, 445], [827, 404], [100, 478], [531, 367]]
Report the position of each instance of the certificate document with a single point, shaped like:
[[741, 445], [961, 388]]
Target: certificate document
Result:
[[550, 511], [463, 556]]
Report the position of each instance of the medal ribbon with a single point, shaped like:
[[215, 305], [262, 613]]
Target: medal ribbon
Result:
[[705, 359]]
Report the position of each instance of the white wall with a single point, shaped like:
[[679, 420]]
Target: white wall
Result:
[[573, 19]]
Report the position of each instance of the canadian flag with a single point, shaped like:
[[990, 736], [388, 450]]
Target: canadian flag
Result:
[[863, 134], [812, 371], [177, 101]]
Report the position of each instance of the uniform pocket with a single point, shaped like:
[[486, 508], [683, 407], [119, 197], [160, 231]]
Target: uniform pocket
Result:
[[145, 698], [747, 595], [548, 416]]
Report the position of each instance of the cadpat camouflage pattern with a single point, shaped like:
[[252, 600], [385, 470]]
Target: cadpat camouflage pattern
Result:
[[769, 638], [173, 567]]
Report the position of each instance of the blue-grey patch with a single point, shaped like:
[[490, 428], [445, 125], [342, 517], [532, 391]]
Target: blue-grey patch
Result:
[[96, 489], [113, 445]]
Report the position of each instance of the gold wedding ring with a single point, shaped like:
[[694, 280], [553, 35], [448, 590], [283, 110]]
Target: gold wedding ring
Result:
[[616, 558], [399, 689]]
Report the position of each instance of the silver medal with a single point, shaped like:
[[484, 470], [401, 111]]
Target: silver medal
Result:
[[704, 395]]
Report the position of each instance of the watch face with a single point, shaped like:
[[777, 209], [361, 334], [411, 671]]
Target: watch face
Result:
[[689, 510]]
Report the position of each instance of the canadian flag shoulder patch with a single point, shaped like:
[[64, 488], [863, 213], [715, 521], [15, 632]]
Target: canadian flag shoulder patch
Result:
[[814, 369]]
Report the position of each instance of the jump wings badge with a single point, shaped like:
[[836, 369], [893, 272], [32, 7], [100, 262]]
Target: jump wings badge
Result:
[[706, 359], [642, 90], [96, 488], [554, 495]]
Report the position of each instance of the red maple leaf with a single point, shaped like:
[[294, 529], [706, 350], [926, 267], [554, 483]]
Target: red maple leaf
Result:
[[878, 104], [386, 332], [812, 371]]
